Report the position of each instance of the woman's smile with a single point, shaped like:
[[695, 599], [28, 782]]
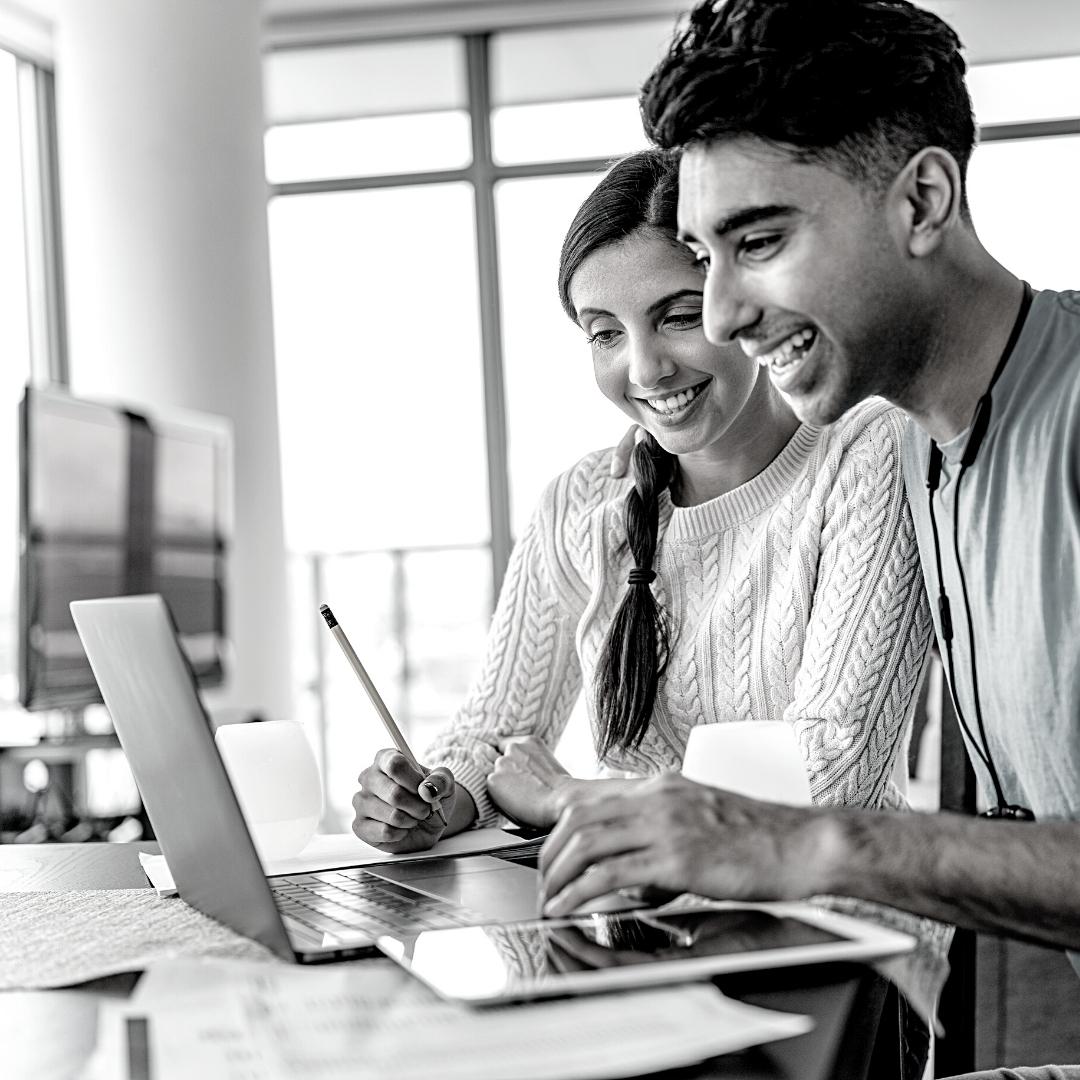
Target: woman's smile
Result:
[[674, 407]]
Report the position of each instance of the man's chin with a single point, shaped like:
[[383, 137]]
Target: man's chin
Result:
[[817, 406]]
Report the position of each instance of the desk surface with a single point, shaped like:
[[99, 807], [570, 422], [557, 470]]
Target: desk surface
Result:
[[49, 1034]]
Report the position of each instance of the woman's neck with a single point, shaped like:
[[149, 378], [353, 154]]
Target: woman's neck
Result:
[[751, 444]]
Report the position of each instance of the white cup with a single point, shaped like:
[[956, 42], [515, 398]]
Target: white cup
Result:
[[759, 758], [273, 772]]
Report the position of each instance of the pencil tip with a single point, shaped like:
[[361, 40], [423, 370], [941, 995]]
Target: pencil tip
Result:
[[328, 615]]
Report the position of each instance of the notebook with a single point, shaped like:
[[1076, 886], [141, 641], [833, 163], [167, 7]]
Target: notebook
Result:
[[147, 685]]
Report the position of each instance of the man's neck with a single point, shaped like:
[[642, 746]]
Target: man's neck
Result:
[[976, 317]]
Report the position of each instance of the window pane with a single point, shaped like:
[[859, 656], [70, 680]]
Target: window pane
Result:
[[379, 369], [366, 110], [1026, 90], [555, 413], [374, 79], [371, 146], [565, 130], [600, 60], [1023, 198], [15, 362]]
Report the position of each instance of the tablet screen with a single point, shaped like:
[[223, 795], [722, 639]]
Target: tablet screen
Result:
[[483, 961]]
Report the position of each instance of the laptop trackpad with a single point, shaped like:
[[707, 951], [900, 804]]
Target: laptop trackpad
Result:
[[504, 891]]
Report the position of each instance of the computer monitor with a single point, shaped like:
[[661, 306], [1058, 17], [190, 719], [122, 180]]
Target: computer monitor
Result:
[[115, 502]]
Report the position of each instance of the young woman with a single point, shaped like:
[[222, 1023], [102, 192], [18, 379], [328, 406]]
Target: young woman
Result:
[[754, 568]]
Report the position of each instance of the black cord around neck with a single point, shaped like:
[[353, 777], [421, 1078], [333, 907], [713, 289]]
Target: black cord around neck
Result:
[[979, 425]]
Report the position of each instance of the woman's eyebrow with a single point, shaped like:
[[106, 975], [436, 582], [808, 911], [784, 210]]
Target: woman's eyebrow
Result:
[[582, 312], [671, 297]]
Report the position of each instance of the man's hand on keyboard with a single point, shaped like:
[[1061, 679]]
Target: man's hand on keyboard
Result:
[[392, 814]]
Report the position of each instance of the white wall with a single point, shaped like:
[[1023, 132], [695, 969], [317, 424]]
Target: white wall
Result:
[[163, 199]]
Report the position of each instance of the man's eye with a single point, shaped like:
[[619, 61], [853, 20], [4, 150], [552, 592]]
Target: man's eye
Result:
[[763, 244]]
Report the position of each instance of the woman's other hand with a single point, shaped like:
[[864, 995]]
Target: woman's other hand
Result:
[[400, 808], [528, 784]]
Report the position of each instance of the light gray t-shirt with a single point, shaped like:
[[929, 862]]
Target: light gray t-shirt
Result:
[[1019, 518]]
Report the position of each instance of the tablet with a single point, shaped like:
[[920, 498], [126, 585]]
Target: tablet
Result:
[[593, 953]]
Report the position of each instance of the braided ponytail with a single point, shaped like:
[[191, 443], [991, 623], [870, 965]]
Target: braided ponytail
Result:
[[635, 652], [640, 193]]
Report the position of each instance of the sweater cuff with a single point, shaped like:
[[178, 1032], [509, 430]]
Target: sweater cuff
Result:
[[474, 781]]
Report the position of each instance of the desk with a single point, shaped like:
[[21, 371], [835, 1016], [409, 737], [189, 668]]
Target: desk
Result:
[[48, 1035]]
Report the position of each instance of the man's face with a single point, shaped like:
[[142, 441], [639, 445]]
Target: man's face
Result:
[[804, 272]]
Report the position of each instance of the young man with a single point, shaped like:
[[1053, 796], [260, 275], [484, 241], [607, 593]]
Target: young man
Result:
[[824, 149]]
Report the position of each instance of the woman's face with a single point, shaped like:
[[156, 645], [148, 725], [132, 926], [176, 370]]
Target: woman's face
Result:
[[639, 303]]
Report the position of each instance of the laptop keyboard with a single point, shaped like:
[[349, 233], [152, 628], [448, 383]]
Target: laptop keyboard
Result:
[[355, 900]]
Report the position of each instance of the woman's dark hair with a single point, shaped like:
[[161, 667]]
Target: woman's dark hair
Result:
[[638, 194], [859, 86]]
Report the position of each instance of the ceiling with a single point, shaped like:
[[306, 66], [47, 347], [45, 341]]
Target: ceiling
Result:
[[991, 30]]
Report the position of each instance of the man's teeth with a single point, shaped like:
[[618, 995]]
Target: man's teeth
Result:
[[784, 353], [675, 402]]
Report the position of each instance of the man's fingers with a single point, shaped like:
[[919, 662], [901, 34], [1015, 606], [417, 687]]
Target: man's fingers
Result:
[[584, 852], [577, 817], [599, 878]]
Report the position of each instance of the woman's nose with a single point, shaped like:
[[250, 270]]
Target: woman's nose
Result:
[[649, 364]]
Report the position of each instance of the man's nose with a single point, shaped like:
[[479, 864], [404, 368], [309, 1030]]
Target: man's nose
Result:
[[726, 308]]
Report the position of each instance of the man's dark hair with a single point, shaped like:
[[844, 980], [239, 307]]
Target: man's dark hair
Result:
[[859, 86]]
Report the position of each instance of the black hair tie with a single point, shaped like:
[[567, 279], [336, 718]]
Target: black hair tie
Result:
[[640, 576]]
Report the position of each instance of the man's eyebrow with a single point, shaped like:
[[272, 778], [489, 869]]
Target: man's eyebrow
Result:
[[740, 219]]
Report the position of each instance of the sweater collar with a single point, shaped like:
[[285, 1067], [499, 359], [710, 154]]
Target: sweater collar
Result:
[[747, 500]]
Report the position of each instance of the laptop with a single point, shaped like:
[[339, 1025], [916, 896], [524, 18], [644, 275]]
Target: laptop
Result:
[[148, 687]]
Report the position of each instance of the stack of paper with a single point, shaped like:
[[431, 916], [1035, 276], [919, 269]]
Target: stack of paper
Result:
[[332, 850], [366, 1020]]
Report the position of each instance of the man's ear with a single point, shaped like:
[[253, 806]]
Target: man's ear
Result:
[[927, 193]]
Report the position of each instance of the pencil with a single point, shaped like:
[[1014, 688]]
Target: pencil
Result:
[[375, 697]]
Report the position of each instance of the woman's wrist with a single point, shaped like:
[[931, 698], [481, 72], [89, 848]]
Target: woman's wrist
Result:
[[461, 813]]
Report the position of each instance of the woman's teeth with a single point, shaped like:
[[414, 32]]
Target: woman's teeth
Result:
[[675, 402], [789, 351]]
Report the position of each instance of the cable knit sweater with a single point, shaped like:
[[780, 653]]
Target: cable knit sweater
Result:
[[795, 597]]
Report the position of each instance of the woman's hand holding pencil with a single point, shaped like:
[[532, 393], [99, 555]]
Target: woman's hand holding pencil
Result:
[[400, 805], [395, 807]]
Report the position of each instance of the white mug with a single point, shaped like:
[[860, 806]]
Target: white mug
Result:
[[273, 772], [759, 758]]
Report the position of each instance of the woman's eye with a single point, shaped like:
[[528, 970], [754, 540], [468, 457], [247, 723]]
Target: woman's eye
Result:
[[683, 320], [603, 339], [701, 260]]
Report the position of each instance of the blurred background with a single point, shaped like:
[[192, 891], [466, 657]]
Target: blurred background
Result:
[[323, 234]]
